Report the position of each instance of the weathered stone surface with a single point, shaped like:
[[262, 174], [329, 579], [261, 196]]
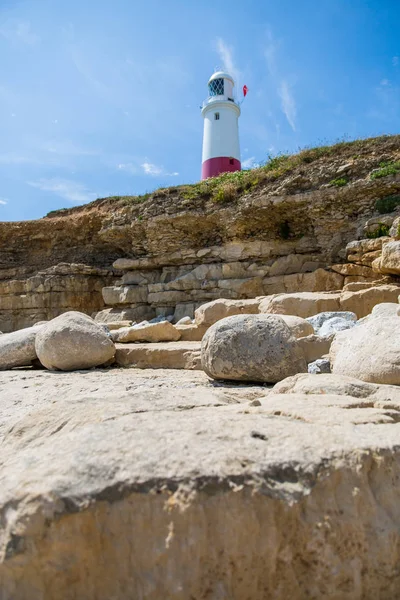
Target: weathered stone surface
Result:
[[162, 331], [185, 321], [394, 230], [49, 293], [321, 365], [138, 313], [339, 385], [251, 348], [307, 304], [73, 341], [370, 351], [164, 355], [17, 349], [214, 311], [111, 325], [113, 488], [386, 309], [332, 326], [298, 326], [315, 346], [317, 321], [302, 304], [191, 332], [390, 259], [127, 294]]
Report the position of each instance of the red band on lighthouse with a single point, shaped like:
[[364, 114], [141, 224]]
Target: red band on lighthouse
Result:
[[222, 164]]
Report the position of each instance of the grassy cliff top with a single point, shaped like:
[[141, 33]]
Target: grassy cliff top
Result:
[[333, 165]]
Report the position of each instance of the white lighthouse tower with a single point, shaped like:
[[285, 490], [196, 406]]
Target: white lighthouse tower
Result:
[[220, 111]]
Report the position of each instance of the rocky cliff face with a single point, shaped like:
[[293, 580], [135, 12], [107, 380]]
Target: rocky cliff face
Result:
[[238, 236]]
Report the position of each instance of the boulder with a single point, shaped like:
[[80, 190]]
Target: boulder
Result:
[[332, 326], [301, 304], [17, 349], [385, 309], [251, 348], [73, 341], [298, 326], [321, 365], [184, 321], [370, 351], [137, 313], [161, 331], [191, 332], [363, 301], [214, 311], [317, 321], [315, 346], [390, 259]]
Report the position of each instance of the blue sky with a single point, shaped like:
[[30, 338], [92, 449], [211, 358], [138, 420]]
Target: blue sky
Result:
[[102, 98]]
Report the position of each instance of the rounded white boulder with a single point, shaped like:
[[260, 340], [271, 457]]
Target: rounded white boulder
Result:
[[251, 348], [73, 341]]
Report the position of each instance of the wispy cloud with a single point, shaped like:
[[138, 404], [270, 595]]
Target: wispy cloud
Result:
[[249, 163], [288, 103], [283, 88], [19, 32], [226, 56], [72, 191], [3, 200], [128, 167], [156, 171], [395, 61]]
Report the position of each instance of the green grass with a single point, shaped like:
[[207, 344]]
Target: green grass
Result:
[[340, 182], [385, 170], [382, 231], [387, 204]]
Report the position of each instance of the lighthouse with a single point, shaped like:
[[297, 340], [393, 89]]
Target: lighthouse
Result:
[[220, 111]]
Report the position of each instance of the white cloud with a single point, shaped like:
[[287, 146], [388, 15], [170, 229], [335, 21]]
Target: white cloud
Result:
[[3, 201], [155, 171], [395, 61], [385, 82], [73, 191], [288, 103], [128, 167], [249, 163], [226, 55], [19, 32], [283, 89]]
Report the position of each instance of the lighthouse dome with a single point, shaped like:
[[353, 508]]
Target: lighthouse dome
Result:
[[221, 84]]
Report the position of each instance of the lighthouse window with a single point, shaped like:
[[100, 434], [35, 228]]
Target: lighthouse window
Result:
[[216, 116], [231, 161], [216, 87]]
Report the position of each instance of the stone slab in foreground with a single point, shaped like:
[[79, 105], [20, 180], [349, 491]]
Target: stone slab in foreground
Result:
[[157, 484], [162, 355]]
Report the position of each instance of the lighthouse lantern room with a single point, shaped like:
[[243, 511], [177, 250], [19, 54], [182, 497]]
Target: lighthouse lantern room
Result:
[[220, 111]]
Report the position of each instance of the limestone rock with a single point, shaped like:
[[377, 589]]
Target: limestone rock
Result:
[[298, 326], [307, 304], [339, 385], [126, 294], [73, 341], [317, 321], [251, 348], [184, 321], [321, 365], [164, 355], [301, 304], [332, 326], [390, 259], [191, 332], [138, 313], [106, 478], [315, 346], [394, 230], [17, 349], [370, 351], [211, 312], [162, 331], [385, 309]]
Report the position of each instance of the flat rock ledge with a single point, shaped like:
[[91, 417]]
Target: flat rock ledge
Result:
[[162, 484]]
